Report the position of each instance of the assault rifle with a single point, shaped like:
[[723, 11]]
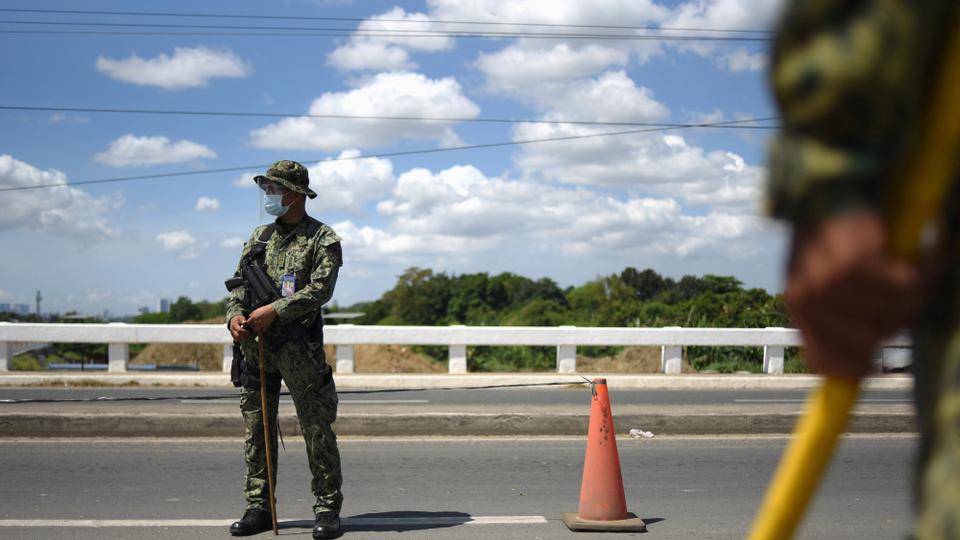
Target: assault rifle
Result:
[[259, 290]]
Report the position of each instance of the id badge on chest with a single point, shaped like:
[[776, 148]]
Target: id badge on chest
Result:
[[288, 285]]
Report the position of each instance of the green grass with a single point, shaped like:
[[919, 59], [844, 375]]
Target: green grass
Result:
[[25, 362]]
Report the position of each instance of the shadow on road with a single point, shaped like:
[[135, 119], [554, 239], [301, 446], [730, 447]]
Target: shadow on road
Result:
[[400, 521]]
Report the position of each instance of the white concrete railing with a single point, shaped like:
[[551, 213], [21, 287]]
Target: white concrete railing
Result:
[[671, 340]]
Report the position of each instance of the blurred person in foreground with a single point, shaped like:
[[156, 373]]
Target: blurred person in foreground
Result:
[[852, 79], [302, 257]]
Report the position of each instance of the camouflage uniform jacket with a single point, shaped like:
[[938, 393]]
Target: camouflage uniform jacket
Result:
[[311, 253], [851, 79]]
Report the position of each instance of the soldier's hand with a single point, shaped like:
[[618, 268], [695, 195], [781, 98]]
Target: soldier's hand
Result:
[[847, 293], [261, 319], [237, 330]]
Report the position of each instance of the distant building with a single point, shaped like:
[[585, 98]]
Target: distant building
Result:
[[22, 309], [144, 310], [5, 307], [163, 306]]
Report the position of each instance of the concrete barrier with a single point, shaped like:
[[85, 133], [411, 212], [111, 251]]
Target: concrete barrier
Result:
[[118, 336]]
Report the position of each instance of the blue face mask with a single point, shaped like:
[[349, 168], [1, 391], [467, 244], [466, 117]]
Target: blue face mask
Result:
[[273, 205]]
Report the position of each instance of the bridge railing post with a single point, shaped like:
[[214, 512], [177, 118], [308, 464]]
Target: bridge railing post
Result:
[[118, 355], [457, 359], [567, 356], [344, 358], [6, 355], [671, 356], [773, 359], [227, 357]]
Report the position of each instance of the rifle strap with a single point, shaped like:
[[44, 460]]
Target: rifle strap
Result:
[[259, 247]]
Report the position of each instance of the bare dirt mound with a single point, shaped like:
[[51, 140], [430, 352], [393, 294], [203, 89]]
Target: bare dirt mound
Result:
[[367, 358], [197, 355], [629, 360], [392, 359], [202, 357]]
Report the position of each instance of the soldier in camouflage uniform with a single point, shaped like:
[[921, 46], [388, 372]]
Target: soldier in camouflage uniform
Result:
[[302, 257], [852, 80]]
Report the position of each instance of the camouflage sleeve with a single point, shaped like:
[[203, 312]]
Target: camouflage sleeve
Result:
[[235, 299], [327, 261], [850, 79]]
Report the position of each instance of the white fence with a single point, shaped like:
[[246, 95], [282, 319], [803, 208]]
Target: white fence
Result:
[[671, 340]]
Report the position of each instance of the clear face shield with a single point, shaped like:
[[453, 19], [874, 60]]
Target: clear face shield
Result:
[[270, 198]]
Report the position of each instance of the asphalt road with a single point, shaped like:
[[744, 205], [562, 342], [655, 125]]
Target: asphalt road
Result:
[[539, 397], [441, 489]]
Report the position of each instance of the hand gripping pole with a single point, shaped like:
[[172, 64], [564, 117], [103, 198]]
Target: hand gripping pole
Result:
[[920, 189]]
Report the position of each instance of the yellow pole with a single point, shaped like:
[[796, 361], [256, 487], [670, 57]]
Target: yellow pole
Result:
[[924, 180]]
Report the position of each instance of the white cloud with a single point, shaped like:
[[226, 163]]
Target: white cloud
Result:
[[743, 60], [131, 150], [460, 214], [664, 164], [245, 180], [592, 12], [522, 69], [370, 55], [399, 20], [386, 94], [388, 52], [612, 97], [207, 204], [349, 184], [182, 242], [62, 118], [727, 15], [232, 243], [186, 68], [60, 209]]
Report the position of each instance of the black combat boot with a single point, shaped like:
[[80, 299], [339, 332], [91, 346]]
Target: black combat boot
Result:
[[327, 525], [254, 521]]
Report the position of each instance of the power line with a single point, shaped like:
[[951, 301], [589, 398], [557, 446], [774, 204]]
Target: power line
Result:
[[360, 19], [731, 125], [604, 37], [383, 32], [370, 156]]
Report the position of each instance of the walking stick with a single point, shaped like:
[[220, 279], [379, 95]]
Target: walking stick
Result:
[[266, 435], [932, 166]]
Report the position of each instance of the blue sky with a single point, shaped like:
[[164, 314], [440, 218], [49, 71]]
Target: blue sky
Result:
[[680, 202]]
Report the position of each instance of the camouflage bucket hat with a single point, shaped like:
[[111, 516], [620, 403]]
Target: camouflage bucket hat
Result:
[[290, 175]]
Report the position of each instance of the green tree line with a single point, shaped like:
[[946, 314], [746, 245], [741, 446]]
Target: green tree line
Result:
[[184, 310], [631, 298]]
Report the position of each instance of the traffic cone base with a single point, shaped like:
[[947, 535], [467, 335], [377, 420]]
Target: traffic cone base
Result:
[[631, 524], [603, 506]]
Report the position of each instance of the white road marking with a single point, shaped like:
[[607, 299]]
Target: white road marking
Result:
[[803, 400], [388, 401], [368, 521], [290, 401]]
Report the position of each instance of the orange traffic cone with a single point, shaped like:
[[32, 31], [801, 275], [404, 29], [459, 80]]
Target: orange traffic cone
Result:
[[603, 506]]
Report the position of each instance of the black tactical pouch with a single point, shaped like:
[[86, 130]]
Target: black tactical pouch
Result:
[[236, 368]]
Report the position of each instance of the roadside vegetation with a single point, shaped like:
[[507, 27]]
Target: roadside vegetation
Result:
[[631, 298]]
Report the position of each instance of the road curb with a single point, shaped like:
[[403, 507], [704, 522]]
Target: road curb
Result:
[[410, 381], [16, 425]]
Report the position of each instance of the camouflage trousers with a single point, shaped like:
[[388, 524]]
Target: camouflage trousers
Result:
[[316, 405], [937, 393]]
